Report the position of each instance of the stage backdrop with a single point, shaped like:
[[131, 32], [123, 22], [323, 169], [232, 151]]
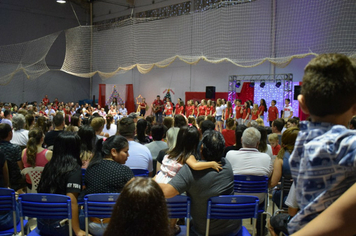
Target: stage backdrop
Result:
[[123, 94], [201, 95]]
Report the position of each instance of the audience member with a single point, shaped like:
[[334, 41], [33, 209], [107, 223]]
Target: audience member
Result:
[[97, 123], [62, 175], [110, 128], [157, 144], [179, 121], [140, 156], [87, 141], [141, 136], [273, 141], [140, 210], [277, 126], [74, 125], [51, 136], [34, 154], [281, 164], [204, 184], [352, 124], [168, 122], [7, 118], [171, 135], [12, 154], [107, 173], [238, 135], [20, 135], [263, 146], [229, 133], [323, 161]]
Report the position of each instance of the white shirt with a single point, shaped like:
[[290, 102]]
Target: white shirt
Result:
[[219, 110], [123, 111], [111, 131], [6, 121], [287, 111], [20, 137], [139, 157]]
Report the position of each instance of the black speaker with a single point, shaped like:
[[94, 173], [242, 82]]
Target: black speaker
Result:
[[297, 89], [210, 92]]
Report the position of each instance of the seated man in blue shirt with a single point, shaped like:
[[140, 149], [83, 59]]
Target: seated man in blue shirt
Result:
[[323, 161], [204, 184]]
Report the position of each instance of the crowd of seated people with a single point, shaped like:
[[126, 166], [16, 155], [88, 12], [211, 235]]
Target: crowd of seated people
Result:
[[193, 157]]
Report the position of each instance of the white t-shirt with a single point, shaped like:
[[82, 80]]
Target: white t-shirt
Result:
[[139, 157], [287, 111], [20, 137], [219, 110], [111, 131]]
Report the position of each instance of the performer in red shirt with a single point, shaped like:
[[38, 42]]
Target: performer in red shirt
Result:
[[168, 110], [177, 110], [202, 108], [254, 112], [143, 106], [45, 100], [208, 108], [272, 112], [262, 109], [189, 110], [238, 114], [246, 113], [196, 104], [157, 107]]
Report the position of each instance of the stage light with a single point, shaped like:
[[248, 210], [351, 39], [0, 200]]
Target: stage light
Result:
[[263, 84], [252, 84], [238, 84], [278, 84]]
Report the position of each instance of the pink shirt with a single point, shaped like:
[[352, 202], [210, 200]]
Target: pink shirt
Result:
[[41, 161]]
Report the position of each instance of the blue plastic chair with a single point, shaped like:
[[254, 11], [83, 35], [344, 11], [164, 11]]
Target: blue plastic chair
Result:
[[140, 172], [83, 176], [232, 207], [250, 184], [179, 207], [47, 206], [98, 205], [8, 203]]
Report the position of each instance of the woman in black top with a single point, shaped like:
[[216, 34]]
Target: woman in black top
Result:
[[62, 175], [107, 173]]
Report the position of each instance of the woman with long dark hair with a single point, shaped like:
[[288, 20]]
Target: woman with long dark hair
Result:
[[87, 141], [262, 109], [74, 125], [34, 154], [107, 173], [141, 136], [62, 175], [141, 209]]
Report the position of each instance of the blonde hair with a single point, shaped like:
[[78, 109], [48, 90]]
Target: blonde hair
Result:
[[273, 137], [260, 122]]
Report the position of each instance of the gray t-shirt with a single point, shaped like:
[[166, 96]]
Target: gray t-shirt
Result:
[[202, 185]]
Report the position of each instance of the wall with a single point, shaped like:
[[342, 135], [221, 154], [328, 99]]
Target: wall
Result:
[[22, 21]]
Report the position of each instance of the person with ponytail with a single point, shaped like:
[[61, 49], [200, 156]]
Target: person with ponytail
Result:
[[107, 173], [34, 155], [110, 128], [281, 164]]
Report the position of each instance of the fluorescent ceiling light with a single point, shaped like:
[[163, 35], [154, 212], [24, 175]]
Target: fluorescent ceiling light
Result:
[[61, 1]]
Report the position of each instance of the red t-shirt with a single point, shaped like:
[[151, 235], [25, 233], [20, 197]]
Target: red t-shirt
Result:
[[272, 113], [261, 110], [195, 111], [202, 110], [229, 136], [228, 113], [143, 105], [168, 110], [158, 103], [245, 113], [45, 101], [189, 110], [276, 149], [181, 110], [177, 108], [208, 110], [238, 112], [254, 116], [43, 113]]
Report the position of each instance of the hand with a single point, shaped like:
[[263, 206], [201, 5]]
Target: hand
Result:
[[216, 166], [81, 233]]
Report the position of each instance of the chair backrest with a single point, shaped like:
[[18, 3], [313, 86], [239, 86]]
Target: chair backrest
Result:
[[286, 184], [250, 184], [140, 172], [83, 176], [98, 205], [8, 203], [231, 207], [35, 176], [46, 206], [179, 207]]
